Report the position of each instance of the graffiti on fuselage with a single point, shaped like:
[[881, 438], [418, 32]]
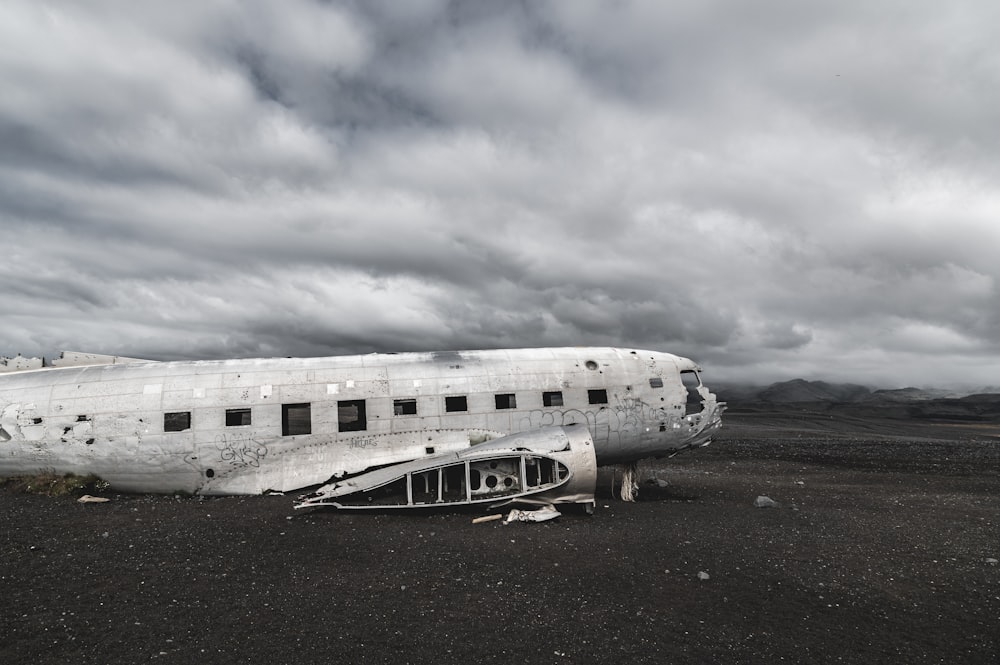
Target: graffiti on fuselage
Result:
[[240, 449], [362, 442], [627, 417]]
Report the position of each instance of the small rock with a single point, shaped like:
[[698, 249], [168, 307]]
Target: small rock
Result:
[[765, 502], [991, 561], [702, 575]]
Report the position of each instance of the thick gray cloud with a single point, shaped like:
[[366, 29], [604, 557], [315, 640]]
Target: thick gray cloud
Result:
[[776, 189]]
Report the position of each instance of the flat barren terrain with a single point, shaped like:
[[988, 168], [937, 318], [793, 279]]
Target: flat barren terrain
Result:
[[883, 548]]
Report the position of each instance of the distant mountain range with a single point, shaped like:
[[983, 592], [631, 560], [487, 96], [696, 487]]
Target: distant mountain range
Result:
[[800, 390], [921, 403]]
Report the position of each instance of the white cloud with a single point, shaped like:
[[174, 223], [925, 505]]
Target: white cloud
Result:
[[776, 191]]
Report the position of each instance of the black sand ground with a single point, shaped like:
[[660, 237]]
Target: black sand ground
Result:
[[882, 549]]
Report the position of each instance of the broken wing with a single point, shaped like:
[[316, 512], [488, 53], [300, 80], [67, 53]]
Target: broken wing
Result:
[[545, 465]]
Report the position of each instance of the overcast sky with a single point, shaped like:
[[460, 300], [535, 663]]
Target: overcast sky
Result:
[[775, 188]]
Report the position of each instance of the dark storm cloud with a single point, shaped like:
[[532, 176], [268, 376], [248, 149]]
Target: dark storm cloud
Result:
[[776, 189]]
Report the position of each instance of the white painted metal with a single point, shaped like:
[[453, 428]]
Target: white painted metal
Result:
[[109, 420]]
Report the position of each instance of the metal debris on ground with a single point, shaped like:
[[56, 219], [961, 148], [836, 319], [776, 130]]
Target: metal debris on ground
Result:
[[542, 514], [86, 498], [629, 490], [488, 518]]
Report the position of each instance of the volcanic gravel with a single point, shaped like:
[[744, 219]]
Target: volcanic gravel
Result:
[[883, 548]]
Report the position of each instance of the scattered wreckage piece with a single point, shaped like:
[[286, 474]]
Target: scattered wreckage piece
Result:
[[87, 498], [548, 465], [543, 514], [630, 481], [488, 518]]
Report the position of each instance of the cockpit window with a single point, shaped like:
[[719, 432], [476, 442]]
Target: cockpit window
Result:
[[691, 381]]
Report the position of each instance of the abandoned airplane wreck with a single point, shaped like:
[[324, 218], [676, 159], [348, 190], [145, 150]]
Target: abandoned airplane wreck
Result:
[[378, 430]]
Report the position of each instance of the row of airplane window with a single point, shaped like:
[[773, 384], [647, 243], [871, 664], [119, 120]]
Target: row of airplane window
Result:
[[297, 418], [351, 415]]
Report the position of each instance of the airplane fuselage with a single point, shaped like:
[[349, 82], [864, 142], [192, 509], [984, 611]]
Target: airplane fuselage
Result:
[[248, 426]]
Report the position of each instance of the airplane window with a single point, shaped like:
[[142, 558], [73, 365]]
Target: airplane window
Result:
[[176, 422], [351, 415], [554, 398], [691, 381], [656, 382], [598, 396], [458, 403], [404, 407], [296, 419], [506, 401], [237, 417]]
